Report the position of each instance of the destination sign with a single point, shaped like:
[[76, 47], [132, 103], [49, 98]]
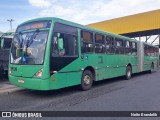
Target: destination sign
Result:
[[34, 25]]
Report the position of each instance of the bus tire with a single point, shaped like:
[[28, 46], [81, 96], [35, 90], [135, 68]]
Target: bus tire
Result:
[[86, 80], [128, 72], [152, 68]]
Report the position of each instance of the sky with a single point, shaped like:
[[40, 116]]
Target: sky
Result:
[[79, 11]]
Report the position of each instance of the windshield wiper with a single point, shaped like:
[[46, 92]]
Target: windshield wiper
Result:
[[32, 37], [28, 41]]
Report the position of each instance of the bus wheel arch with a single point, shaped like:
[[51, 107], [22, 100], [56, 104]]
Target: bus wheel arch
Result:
[[87, 78], [90, 68], [128, 71]]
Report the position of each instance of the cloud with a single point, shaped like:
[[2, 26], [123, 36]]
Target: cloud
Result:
[[40, 3], [89, 11]]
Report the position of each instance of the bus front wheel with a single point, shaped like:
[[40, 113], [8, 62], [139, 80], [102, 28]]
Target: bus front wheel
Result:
[[128, 72], [86, 80]]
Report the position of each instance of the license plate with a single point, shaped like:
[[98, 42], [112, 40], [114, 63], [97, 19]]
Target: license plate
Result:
[[21, 81]]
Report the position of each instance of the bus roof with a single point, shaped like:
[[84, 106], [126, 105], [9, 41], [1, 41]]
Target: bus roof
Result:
[[78, 26], [8, 35]]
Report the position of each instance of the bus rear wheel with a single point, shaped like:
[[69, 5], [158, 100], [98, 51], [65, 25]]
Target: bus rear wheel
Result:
[[86, 80], [128, 72]]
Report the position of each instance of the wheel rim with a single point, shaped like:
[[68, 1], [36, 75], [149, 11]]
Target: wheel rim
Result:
[[87, 79], [129, 74]]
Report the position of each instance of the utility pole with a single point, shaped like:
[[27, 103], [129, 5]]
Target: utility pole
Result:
[[11, 20]]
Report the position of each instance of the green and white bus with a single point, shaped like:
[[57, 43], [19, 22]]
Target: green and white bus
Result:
[[51, 53]]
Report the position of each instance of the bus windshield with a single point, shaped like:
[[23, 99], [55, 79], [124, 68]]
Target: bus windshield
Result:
[[29, 47]]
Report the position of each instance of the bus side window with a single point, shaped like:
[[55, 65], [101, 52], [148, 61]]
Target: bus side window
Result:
[[55, 51], [64, 41], [127, 47], [109, 45], [64, 45], [134, 48], [70, 45], [149, 50], [156, 51], [119, 46], [99, 43], [87, 42], [145, 50]]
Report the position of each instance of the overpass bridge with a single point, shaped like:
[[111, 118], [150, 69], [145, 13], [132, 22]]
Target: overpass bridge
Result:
[[143, 26]]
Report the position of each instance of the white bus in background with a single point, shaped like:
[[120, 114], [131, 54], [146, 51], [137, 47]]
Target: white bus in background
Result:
[[5, 44]]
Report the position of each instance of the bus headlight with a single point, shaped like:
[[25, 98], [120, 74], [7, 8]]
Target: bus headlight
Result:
[[38, 74]]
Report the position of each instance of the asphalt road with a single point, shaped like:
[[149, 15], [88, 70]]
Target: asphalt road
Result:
[[141, 93]]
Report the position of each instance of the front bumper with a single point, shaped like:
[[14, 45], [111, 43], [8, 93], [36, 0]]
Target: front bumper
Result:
[[30, 83]]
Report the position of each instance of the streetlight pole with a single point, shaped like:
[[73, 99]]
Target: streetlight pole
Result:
[[11, 20]]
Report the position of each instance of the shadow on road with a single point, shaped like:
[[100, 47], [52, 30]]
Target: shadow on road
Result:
[[74, 89]]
